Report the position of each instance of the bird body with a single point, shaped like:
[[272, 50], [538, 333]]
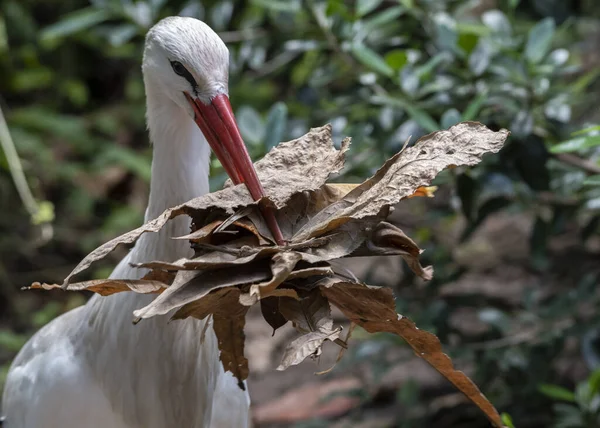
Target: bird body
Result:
[[91, 367]]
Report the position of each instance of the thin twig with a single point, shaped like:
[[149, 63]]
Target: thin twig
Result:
[[16, 171], [587, 165]]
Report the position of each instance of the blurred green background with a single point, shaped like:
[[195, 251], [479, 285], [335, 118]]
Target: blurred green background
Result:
[[514, 241]]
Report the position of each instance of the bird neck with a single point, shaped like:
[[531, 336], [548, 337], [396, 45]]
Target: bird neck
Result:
[[180, 168], [157, 359]]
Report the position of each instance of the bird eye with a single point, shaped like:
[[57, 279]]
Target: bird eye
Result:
[[178, 68]]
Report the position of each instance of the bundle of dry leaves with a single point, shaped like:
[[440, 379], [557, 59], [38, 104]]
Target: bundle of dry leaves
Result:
[[321, 223]]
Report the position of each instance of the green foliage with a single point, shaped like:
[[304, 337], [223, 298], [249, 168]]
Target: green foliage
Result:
[[379, 71], [579, 408]]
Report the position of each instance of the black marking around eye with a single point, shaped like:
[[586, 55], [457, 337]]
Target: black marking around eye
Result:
[[180, 70]]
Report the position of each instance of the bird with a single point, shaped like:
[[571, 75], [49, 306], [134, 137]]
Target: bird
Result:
[[91, 367]]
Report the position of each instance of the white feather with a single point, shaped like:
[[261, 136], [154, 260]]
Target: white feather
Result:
[[91, 367]]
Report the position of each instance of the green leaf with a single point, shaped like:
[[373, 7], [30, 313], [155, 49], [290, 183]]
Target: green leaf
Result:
[[513, 3], [586, 130], [420, 116], [474, 107], [449, 118], [507, 420], [372, 59], [276, 123], [594, 382], [76, 91], [129, 159], [44, 214], [396, 59], [557, 392], [539, 40], [251, 125], [32, 79], [593, 180], [122, 34], [278, 5], [363, 7], [576, 144], [3, 36], [74, 22], [380, 19]]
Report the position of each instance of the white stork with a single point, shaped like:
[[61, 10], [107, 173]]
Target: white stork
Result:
[[91, 368]]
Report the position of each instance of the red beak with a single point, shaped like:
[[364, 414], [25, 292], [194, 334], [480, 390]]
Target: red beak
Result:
[[217, 123]]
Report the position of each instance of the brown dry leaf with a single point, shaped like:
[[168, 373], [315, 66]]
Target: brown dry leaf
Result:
[[106, 287], [368, 237], [373, 309], [163, 276], [201, 235], [425, 192], [204, 234], [309, 314], [282, 265], [193, 285], [215, 259], [205, 306], [462, 144], [269, 306], [312, 271], [291, 167], [304, 346], [228, 322], [300, 165], [333, 192], [330, 193], [342, 350], [247, 299], [387, 239]]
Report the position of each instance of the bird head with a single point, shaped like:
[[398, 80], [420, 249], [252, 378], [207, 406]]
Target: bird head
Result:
[[189, 63]]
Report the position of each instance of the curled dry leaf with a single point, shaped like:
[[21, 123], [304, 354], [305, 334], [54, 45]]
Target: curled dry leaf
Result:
[[106, 287], [269, 307], [308, 345], [310, 315], [193, 285], [374, 309], [236, 264], [404, 173], [292, 167]]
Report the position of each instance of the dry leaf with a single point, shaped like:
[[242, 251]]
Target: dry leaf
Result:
[[374, 309], [192, 285], [205, 306], [342, 350], [282, 265], [425, 192], [309, 314], [106, 287], [305, 346], [269, 306], [299, 165], [201, 234], [228, 323], [290, 168], [387, 239], [215, 259], [404, 173], [235, 265]]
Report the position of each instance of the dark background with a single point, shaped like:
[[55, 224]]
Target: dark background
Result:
[[514, 241]]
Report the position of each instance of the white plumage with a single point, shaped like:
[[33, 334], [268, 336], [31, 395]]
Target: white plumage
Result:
[[91, 368]]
